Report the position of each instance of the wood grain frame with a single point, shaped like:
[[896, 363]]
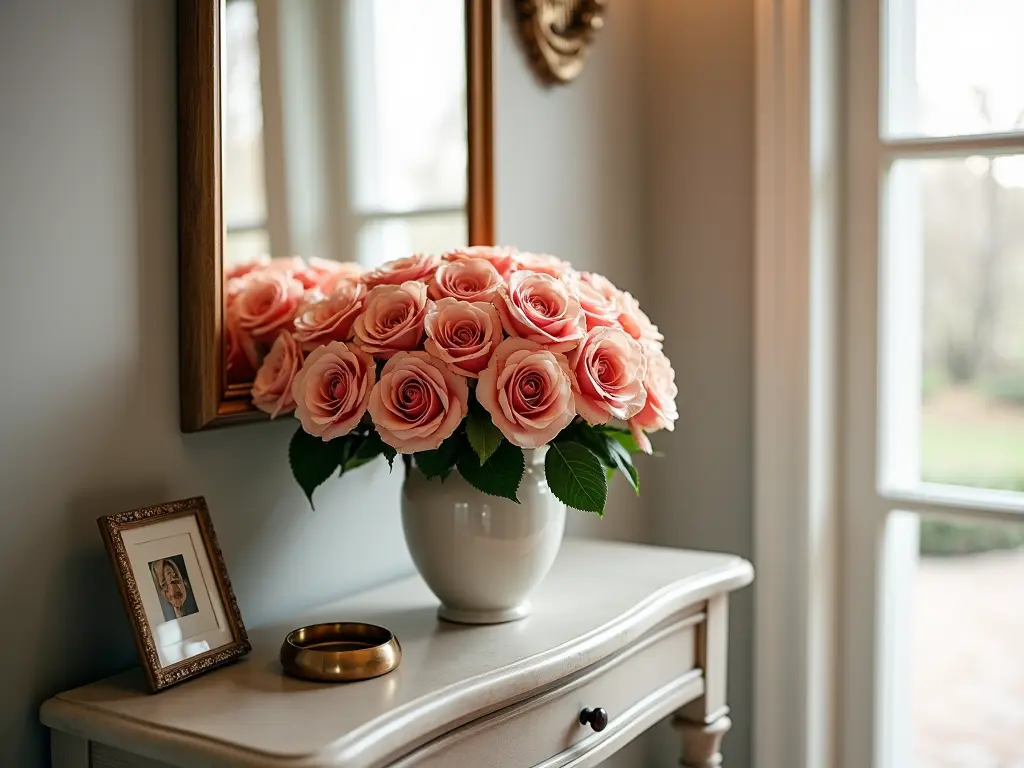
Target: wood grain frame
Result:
[[206, 399], [159, 677]]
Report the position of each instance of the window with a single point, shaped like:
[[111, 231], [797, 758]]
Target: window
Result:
[[356, 112], [934, 512], [244, 192], [409, 126]]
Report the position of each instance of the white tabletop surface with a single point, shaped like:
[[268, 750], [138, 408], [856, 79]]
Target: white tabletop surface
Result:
[[598, 598]]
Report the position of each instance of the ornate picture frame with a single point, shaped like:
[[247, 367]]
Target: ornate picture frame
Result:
[[175, 589]]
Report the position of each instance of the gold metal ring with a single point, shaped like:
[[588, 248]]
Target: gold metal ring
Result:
[[340, 652]]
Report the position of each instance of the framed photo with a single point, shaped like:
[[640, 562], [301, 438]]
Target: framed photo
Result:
[[175, 589]]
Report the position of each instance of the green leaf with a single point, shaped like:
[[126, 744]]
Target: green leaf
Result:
[[500, 475], [483, 435], [348, 446], [576, 477], [369, 448], [622, 436], [623, 462], [604, 442], [439, 463], [598, 443], [313, 460], [380, 448]]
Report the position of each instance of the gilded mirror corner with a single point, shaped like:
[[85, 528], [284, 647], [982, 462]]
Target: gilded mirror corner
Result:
[[314, 133]]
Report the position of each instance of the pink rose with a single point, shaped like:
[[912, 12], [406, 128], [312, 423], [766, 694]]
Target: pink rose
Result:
[[244, 268], [330, 318], [466, 280], [541, 308], [542, 262], [297, 268], [326, 272], [233, 288], [642, 440], [419, 266], [392, 319], [527, 389], [272, 389], [287, 264], [659, 412], [462, 335], [338, 272], [635, 322], [608, 371], [598, 298], [333, 389], [418, 403], [267, 304], [500, 257], [240, 355]]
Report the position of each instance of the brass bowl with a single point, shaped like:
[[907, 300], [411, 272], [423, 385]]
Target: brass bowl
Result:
[[341, 652]]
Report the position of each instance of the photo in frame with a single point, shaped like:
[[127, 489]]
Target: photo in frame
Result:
[[175, 589]]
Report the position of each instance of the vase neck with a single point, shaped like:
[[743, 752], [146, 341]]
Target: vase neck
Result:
[[535, 456]]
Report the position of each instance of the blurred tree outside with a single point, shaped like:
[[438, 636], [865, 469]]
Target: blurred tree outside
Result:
[[973, 356]]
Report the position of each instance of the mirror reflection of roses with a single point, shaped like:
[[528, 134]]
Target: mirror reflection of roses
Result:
[[171, 580]]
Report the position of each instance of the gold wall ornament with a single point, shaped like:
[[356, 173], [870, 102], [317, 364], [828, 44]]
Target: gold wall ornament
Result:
[[558, 34]]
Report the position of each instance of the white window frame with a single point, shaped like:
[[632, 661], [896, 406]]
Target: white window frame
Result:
[[880, 376], [818, 701], [796, 336]]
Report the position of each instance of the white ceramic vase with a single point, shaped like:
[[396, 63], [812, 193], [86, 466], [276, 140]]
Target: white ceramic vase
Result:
[[482, 555]]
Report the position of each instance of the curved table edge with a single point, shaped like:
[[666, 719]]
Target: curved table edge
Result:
[[387, 738]]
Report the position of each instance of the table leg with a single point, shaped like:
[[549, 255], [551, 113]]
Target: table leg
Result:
[[702, 742]]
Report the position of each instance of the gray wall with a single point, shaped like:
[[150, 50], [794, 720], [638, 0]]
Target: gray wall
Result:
[[88, 294], [700, 133]]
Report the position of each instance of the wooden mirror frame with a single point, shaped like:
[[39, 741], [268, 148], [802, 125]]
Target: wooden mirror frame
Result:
[[206, 400]]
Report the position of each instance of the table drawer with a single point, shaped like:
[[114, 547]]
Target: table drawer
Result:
[[544, 727]]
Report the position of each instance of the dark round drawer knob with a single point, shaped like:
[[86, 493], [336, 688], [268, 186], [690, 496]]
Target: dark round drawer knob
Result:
[[597, 718]]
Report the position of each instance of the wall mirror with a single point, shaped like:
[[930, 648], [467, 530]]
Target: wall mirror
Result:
[[345, 130]]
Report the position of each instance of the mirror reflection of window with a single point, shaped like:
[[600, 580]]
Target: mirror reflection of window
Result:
[[344, 127], [245, 203], [408, 80]]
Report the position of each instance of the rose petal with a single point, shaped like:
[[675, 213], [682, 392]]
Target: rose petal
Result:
[[418, 403]]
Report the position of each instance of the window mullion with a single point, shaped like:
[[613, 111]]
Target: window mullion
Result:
[[951, 499], [415, 213], [994, 144], [244, 227]]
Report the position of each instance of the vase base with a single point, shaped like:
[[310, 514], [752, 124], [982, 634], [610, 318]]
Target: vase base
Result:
[[463, 616]]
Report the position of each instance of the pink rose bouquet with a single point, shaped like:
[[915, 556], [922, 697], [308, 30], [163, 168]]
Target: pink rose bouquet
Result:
[[458, 362]]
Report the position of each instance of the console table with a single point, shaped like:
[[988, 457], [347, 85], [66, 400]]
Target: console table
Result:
[[621, 636]]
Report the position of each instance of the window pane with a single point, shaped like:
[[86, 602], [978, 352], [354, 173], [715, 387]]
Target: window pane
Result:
[[954, 66], [240, 247], [967, 680], [408, 84], [955, 274], [244, 188], [387, 239]]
